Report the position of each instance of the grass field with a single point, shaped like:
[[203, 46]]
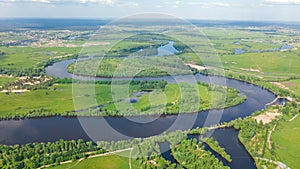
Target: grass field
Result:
[[224, 39], [293, 85], [6, 80], [209, 99], [59, 99], [29, 57], [115, 161], [287, 139], [267, 64]]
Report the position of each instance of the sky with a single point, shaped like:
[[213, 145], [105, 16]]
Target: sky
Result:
[[253, 10]]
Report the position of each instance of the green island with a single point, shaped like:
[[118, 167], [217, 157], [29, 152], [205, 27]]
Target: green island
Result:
[[57, 99], [216, 147]]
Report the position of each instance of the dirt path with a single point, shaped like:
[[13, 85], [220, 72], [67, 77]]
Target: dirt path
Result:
[[130, 167], [269, 137], [293, 118], [75, 163], [109, 153]]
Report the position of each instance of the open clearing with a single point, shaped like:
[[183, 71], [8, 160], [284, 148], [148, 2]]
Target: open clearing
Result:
[[293, 85], [287, 138], [115, 161], [267, 117], [28, 57]]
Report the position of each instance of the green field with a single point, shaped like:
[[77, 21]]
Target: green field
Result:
[[114, 161], [272, 63], [280, 64], [59, 99], [4, 80], [293, 85], [224, 39], [208, 98], [287, 139], [30, 57], [106, 162]]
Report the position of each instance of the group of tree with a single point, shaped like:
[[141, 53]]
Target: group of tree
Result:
[[216, 147], [191, 154], [149, 85], [35, 155], [187, 153]]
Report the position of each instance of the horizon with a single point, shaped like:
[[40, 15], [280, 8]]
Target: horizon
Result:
[[230, 10], [115, 18]]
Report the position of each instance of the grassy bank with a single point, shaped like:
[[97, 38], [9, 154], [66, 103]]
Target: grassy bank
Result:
[[58, 100]]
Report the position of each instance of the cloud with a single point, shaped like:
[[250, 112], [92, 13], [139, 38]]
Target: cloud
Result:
[[26, 1], [220, 4], [210, 4], [106, 2], [42, 1], [283, 2], [116, 3]]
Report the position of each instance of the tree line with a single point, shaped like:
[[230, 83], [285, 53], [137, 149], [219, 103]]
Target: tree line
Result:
[[34, 155]]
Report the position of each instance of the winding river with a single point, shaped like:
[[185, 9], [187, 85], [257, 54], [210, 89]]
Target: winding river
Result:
[[119, 128]]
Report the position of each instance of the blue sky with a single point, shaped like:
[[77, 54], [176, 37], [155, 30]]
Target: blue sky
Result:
[[273, 10]]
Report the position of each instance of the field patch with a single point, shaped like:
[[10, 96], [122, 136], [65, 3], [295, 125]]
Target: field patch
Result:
[[287, 139]]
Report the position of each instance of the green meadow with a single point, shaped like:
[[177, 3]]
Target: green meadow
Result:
[[269, 63], [59, 99], [293, 85], [5, 80], [114, 161], [286, 139], [30, 57]]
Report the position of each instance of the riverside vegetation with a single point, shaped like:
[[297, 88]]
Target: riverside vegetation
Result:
[[55, 98]]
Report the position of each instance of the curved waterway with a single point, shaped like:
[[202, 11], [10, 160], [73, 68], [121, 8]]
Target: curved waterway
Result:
[[120, 128], [228, 139]]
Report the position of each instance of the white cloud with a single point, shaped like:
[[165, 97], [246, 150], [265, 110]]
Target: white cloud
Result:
[[117, 3], [283, 2], [42, 1], [106, 2], [26, 1], [220, 4], [210, 4]]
